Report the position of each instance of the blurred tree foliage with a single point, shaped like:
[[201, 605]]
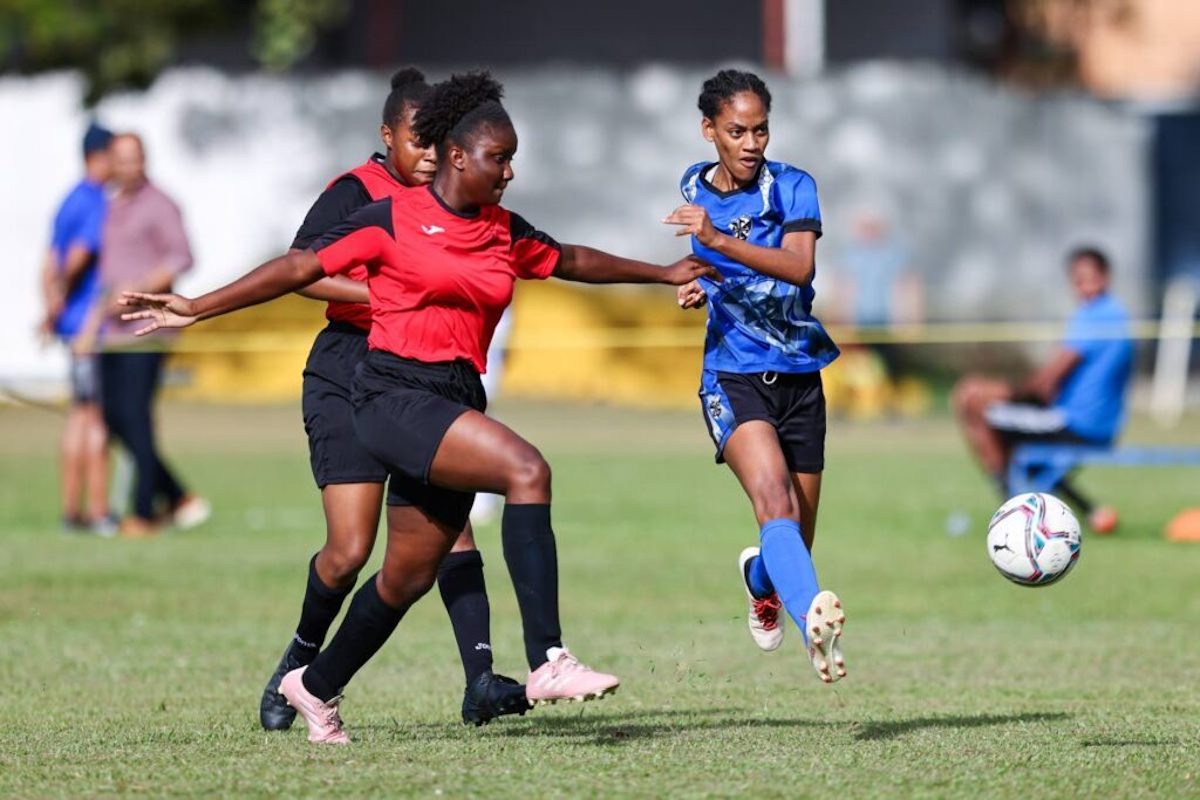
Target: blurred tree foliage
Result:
[[126, 43]]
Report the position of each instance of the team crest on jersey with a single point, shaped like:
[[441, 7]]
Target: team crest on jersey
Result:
[[715, 409], [740, 227]]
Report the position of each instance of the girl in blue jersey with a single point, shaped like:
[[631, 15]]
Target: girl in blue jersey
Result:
[[757, 222]]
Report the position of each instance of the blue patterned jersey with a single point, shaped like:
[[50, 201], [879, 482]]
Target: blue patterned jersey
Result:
[[757, 323]]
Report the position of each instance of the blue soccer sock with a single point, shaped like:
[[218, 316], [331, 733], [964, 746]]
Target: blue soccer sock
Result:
[[790, 567], [757, 577]]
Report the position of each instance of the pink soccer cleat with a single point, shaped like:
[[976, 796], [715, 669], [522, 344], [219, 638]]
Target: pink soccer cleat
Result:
[[562, 677], [324, 722]]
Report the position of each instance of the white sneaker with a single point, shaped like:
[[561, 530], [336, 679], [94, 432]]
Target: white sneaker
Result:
[[763, 618], [192, 510], [824, 632]]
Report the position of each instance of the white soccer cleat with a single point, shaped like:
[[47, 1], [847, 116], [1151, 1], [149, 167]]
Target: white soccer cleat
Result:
[[824, 632], [191, 511], [763, 618]]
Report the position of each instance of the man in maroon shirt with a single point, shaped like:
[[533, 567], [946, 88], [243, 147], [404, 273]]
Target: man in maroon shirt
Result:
[[145, 247]]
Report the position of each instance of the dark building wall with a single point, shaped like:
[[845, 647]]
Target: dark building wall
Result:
[[857, 30], [612, 32]]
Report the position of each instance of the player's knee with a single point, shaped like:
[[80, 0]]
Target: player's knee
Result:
[[345, 558], [529, 473], [402, 588], [775, 499]]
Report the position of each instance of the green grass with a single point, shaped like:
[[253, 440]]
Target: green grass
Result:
[[134, 667]]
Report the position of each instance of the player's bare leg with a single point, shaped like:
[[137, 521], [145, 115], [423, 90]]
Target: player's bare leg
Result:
[[351, 522], [478, 453], [785, 507], [826, 616], [970, 399]]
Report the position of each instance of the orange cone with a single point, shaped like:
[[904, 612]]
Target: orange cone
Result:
[[1185, 527]]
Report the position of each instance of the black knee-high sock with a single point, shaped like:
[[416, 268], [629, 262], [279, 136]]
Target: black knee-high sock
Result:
[[320, 609], [532, 562], [367, 625], [460, 580]]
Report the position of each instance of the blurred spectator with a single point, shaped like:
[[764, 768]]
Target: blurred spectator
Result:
[[875, 288], [877, 285], [145, 248], [1078, 395], [70, 288]]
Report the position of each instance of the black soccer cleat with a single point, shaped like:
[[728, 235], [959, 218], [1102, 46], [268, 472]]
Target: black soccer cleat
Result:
[[273, 710], [490, 696]]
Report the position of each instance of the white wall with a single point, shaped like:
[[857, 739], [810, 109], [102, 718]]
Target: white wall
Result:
[[989, 186]]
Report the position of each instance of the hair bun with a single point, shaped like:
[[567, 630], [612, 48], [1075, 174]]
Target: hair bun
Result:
[[450, 101], [407, 76]]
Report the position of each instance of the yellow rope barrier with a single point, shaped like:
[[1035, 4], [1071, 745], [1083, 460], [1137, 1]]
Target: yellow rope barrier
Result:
[[640, 338]]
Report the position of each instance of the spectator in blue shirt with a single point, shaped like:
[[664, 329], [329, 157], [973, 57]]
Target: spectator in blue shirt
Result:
[[70, 287], [1077, 396]]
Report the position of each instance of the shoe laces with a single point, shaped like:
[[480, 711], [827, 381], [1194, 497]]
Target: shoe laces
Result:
[[566, 662], [331, 716], [767, 611]]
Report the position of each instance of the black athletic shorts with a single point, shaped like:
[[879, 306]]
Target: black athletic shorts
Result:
[[794, 404], [333, 448], [402, 409]]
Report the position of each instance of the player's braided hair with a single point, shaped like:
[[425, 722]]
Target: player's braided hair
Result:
[[408, 89], [720, 89], [454, 108]]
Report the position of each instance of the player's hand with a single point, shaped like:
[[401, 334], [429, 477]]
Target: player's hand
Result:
[[693, 221], [690, 295], [688, 269], [161, 310]]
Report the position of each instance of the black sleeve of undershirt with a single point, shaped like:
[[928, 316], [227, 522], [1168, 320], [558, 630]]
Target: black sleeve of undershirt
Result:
[[339, 201]]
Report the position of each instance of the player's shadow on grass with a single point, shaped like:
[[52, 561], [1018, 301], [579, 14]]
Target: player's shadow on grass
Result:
[[1118, 742], [873, 731], [616, 728]]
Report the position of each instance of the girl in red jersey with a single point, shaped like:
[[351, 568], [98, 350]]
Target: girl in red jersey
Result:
[[442, 261], [351, 480]]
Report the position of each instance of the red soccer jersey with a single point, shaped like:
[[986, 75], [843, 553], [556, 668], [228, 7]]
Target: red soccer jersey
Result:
[[343, 196], [439, 281]]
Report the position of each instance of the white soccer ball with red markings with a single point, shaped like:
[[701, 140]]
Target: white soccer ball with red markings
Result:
[[1033, 539]]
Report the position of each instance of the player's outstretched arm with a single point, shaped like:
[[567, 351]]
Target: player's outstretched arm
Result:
[[275, 278], [793, 261], [335, 289], [588, 265]]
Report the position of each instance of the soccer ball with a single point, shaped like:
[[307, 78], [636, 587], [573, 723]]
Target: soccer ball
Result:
[[1033, 539]]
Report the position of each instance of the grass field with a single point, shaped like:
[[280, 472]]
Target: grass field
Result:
[[134, 667]]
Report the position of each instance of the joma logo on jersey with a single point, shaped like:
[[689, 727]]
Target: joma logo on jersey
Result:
[[740, 227]]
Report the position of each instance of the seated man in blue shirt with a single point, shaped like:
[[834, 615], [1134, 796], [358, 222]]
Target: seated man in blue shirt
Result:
[[1076, 396]]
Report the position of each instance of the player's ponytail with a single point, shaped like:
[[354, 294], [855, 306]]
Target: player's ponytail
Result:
[[720, 89], [454, 108], [408, 90]]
